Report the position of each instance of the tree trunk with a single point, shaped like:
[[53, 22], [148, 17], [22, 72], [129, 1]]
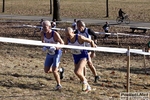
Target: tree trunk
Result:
[[3, 8], [56, 9], [50, 4], [107, 13]]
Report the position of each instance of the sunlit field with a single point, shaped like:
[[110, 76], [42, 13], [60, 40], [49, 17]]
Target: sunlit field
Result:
[[22, 76], [138, 10]]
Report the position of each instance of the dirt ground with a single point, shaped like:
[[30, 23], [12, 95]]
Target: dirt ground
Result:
[[22, 76]]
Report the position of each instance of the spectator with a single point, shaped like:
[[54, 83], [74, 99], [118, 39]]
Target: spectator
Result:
[[121, 14], [41, 22], [106, 29], [149, 46], [53, 23], [39, 27], [74, 25]]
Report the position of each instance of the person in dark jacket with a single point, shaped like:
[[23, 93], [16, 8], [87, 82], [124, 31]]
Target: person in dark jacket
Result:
[[148, 46], [106, 29], [121, 14]]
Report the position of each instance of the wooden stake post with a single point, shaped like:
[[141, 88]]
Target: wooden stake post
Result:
[[128, 70], [144, 60], [117, 39]]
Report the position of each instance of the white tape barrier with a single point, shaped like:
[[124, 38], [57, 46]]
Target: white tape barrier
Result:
[[143, 53], [123, 34], [59, 29], [102, 49], [31, 26], [118, 50], [132, 35], [106, 33], [144, 27], [39, 43]]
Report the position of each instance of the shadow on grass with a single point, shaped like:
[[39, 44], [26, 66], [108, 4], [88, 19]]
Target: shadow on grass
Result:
[[119, 85], [22, 86], [10, 84], [22, 97], [27, 96], [27, 76], [133, 70], [107, 84], [33, 86]]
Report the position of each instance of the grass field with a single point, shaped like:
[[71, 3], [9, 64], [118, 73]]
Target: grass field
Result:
[[22, 76], [138, 10]]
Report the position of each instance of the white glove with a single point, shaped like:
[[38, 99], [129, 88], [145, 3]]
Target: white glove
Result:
[[44, 49], [51, 50]]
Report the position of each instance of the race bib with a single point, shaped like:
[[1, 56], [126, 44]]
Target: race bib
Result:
[[51, 50], [75, 51]]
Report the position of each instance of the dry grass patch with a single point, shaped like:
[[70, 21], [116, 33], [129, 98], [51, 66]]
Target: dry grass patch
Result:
[[136, 9], [22, 76]]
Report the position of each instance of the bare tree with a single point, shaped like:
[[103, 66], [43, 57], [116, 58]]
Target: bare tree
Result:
[[3, 7], [56, 10], [50, 5], [107, 13]]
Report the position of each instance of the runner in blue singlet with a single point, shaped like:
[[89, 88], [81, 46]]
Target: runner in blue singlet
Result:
[[80, 56], [54, 53]]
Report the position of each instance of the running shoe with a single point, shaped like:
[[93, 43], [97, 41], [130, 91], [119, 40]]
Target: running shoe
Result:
[[96, 78], [58, 87], [86, 87], [61, 70]]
